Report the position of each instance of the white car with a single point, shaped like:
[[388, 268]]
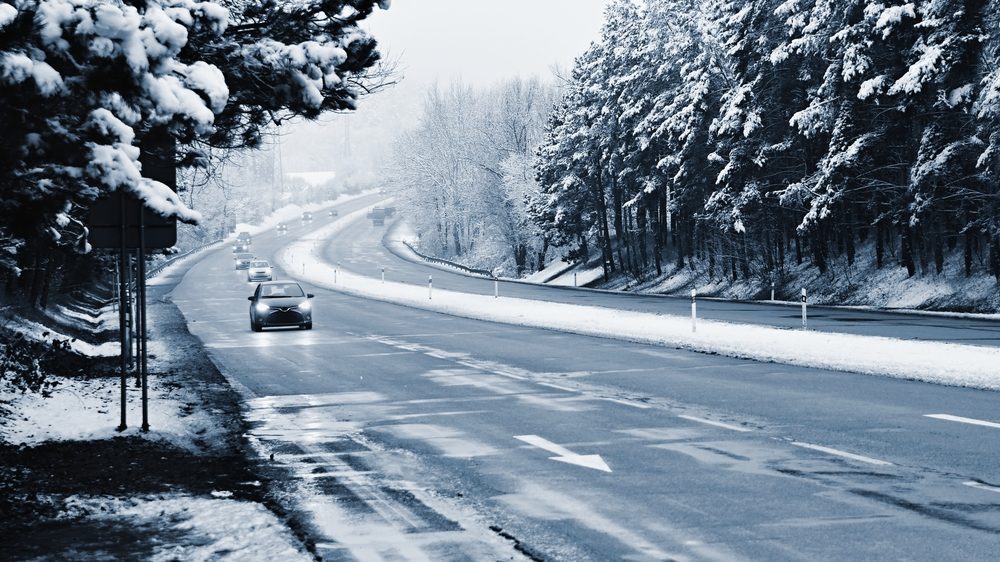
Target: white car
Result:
[[259, 270]]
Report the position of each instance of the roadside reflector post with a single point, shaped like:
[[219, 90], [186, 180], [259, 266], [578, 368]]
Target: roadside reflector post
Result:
[[430, 287], [383, 276], [303, 268], [574, 279], [496, 288], [694, 310], [335, 275], [772, 290], [805, 303]]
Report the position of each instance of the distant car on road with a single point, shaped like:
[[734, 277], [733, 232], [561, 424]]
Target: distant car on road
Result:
[[259, 270], [333, 213], [307, 217], [282, 227], [243, 237], [243, 260], [241, 247], [280, 303], [378, 216]]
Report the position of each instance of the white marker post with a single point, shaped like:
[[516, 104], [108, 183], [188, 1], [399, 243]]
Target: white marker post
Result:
[[430, 287], [496, 288], [574, 279], [694, 311], [383, 276], [772, 290], [805, 303], [335, 276]]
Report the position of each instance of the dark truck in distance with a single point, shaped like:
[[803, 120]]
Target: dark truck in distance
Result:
[[378, 215]]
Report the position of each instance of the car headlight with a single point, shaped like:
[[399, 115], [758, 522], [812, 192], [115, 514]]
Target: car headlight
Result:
[[306, 306], [261, 307]]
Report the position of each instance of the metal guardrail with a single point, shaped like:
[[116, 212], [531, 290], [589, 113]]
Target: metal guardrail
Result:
[[152, 271], [440, 261]]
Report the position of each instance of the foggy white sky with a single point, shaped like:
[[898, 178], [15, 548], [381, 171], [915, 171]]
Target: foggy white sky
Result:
[[485, 41], [481, 42]]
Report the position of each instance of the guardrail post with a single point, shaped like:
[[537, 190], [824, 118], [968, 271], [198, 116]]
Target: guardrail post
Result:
[[430, 287], [694, 311], [805, 304]]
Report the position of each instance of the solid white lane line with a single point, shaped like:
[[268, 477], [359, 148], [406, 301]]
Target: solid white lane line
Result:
[[981, 486], [715, 423], [840, 453], [959, 419]]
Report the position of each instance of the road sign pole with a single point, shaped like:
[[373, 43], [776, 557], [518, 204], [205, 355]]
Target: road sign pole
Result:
[[122, 325], [805, 316], [143, 336], [694, 310]]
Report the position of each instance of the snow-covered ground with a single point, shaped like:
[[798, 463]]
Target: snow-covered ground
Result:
[[927, 361], [860, 284], [214, 529]]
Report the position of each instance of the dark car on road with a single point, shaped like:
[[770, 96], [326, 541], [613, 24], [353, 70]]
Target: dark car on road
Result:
[[307, 217], [243, 237], [282, 227], [280, 303], [241, 247], [243, 260], [333, 212]]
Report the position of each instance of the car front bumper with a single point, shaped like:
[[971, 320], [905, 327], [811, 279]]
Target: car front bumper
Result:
[[286, 316]]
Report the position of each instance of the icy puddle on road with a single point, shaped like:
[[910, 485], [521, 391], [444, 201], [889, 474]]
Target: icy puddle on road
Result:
[[353, 512]]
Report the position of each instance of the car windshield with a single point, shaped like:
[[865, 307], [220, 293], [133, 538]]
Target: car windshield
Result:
[[258, 264], [280, 290]]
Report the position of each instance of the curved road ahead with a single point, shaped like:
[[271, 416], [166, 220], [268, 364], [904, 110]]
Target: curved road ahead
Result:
[[413, 435], [362, 249]]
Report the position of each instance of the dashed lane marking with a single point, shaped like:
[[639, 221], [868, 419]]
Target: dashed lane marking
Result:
[[715, 423], [959, 419], [981, 486], [844, 454]]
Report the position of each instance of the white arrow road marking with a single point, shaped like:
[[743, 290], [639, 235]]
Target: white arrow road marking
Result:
[[971, 421], [565, 455]]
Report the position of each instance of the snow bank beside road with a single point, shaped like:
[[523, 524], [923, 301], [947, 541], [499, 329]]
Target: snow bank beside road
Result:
[[88, 409], [942, 363], [208, 529]]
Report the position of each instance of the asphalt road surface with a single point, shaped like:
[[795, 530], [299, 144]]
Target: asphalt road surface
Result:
[[415, 435]]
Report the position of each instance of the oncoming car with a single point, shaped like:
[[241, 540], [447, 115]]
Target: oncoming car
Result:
[[333, 213], [280, 303], [282, 227], [243, 260], [259, 270], [307, 216]]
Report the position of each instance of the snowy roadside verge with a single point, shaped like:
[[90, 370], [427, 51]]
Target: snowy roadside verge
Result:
[[942, 363], [74, 488]]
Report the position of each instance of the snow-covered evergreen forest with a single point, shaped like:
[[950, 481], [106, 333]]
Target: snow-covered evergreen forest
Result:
[[83, 83], [738, 139]]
